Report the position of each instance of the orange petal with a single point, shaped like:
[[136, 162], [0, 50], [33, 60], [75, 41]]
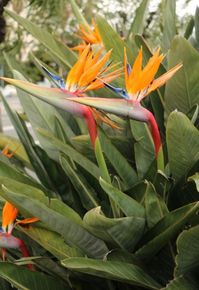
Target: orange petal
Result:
[[163, 78], [89, 75], [150, 70], [9, 214], [78, 68], [137, 67], [27, 221]]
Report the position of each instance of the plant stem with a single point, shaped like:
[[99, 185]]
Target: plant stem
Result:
[[104, 172]]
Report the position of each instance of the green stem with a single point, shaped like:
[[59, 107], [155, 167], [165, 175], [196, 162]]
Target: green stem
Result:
[[160, 159], [104, 172]]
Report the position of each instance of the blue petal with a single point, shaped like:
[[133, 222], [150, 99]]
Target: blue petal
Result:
[[57, 79], [119, 91]]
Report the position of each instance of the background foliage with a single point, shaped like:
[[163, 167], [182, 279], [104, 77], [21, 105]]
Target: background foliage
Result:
[[152, 241]]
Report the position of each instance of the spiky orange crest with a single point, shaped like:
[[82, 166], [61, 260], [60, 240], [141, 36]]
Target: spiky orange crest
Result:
[[90, 71], [88, 35], [140, 81], [9, 215]]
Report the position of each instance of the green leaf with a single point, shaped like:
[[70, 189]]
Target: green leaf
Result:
[[112, 40], [55, 146], [195, 178], [189, 28], [24, 279], [52, 242], [124, 232], [182, 90], [138, 23], [166, 229], [188, 251], [183, 144], [84, 190], [196, 21], [169, 23], [7, 170], [118, 161], [154, 212], [57, 48], [118, 271], [27, 141], [73, 233], [144, 147], [79, 16], [39, 195], [129, 206], [182, 283]]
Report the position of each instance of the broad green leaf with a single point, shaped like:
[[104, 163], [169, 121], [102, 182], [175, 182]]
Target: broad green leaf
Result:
[[129, 206], [143, 147], [79, 16], [56, 146], [57, 48], [195, 178], [188, 251], [7, 170], [52, 242], [124, 232], [182, 90], [84, 190], [118, 161], [112, 40], [138, 23], [39, 195], [118, 271], [182, 283], [154, 212], [24, 279], [183, 144], [74, 234], [169, 23], [166, 229], [28, 144]]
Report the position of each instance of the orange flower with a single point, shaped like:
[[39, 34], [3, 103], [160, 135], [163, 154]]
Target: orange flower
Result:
[[9, 215], [8, 154], [88, 35], [140, 82], [89, 72]]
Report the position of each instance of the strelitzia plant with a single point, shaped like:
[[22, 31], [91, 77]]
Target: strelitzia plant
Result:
[[88, 73], [139, 83], [9, 221]]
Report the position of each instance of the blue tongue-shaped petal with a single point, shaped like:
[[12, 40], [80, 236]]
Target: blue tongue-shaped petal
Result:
[[57, 79], [119, 91]]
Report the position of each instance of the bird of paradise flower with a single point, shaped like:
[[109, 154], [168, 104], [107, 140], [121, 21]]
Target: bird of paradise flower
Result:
[[9, 220]]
